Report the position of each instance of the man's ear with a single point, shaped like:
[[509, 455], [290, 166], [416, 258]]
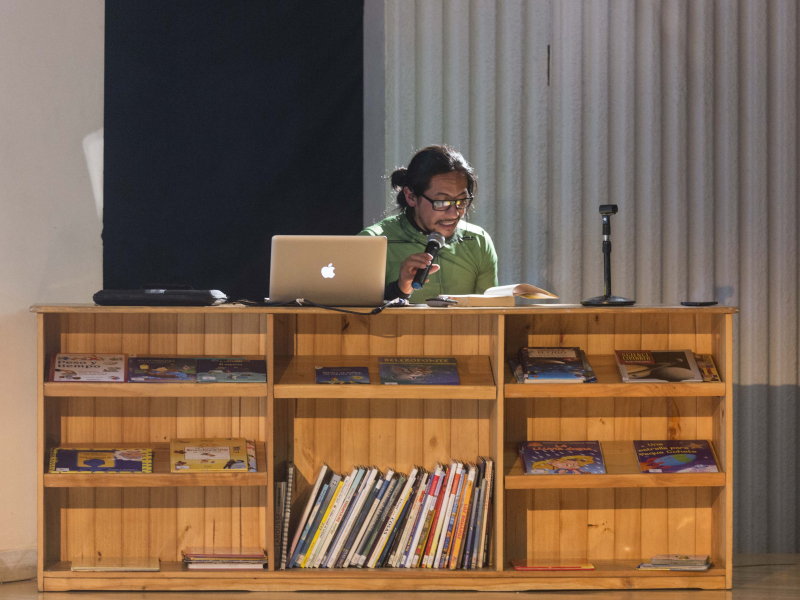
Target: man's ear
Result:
[[410, 199]]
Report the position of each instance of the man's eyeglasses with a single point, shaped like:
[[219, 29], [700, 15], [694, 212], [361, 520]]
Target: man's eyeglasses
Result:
[[460, 203]]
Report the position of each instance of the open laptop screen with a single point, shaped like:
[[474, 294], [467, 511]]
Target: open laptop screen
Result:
[[333, 270]]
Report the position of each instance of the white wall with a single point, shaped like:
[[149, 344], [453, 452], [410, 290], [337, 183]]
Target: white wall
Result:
[[51, 96]]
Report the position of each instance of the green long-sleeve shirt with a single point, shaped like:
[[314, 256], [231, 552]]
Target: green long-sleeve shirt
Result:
[[467, 262]]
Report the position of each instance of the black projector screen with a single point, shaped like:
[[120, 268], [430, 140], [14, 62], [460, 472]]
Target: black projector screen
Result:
[[227, 122]]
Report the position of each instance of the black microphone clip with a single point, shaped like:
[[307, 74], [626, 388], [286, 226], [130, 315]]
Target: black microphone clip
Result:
[[435, 242]]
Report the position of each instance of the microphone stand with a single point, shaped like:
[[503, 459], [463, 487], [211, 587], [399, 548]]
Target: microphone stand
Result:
[[607, 299]]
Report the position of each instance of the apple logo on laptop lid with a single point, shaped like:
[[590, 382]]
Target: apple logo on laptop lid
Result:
[[327, 272]]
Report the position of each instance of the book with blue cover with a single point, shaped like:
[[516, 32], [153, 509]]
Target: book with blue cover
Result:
[[675, 456], [552, 365], [418, 370], [341, 375], [562, 458], [231, 370]]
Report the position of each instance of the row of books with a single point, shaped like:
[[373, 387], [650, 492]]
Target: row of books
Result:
[[434, 520], [396, 370], [187, 455], [570, 365], [586, 457], [119, 368]]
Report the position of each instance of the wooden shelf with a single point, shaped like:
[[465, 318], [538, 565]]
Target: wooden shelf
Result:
[[622, 471], [155, 390], [161, 476], [609, 384], [295, 378]]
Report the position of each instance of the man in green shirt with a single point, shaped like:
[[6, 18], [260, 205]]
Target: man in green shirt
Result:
[[434, 194]]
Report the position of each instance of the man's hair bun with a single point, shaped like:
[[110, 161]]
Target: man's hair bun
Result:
[[399, 178]]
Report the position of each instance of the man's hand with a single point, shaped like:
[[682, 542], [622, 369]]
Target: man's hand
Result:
[[409, 268]]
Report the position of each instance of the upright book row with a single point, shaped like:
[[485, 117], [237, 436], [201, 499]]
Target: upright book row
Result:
[[434, 520]]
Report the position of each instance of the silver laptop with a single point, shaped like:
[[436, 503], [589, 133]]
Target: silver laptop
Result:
[[333, 270]]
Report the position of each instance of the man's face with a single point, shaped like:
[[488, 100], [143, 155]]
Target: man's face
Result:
[[447, 186]]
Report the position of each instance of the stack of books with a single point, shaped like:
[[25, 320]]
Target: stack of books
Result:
[[552, 365], [225, 558], [434, 520], [677, 562]]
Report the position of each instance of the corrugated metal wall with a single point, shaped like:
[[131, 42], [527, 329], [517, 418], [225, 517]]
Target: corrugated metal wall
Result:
[[684, 114]]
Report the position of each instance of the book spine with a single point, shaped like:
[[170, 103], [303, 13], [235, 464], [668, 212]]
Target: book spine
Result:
[[349, 548], [476, 540], [309, 505], [470, 528], [401, 561], [322, 543], [287, 512], [302, 542], [426, 527], [487, 517], [348, 534], [352, 557], [332, 485], [391, 545], [392, 520], [446, 518], [420, 523], [409, 525], [433, 542], [447, 548], [377, 522], [461, 521], [321, 525], [277, 517], [344, 517]]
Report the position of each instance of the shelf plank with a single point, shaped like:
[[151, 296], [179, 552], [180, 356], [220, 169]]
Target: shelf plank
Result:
[[154, 390], [161, 476], [295, 378], [175, 576], [609, 385], [622, 471]]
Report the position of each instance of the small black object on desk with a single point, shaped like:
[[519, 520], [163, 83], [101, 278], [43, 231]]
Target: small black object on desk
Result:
[[607, 299]]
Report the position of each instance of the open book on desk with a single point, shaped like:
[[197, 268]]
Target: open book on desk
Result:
[[504, 295]]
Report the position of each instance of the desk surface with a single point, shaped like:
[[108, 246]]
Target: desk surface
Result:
[[417, 309]]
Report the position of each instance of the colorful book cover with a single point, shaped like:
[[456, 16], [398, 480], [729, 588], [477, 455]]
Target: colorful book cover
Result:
[[418, 370], [231, 370], [551, 365], [77, 460], [109, 368], [342, 375], [675, 456], [562, 458], [148, 369], [207, 454], [657, 366], [705, 362], [521, 377]]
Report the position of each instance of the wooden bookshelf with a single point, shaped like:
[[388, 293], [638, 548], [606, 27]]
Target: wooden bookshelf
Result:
[[615, 520]]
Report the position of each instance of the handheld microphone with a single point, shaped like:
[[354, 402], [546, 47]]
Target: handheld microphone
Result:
[[435, 242]]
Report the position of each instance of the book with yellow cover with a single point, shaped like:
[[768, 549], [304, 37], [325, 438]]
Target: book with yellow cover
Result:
[[207, 454]]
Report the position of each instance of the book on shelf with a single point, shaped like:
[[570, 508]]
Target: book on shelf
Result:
[[231, 370], [88, 460], [708, 370], [199, 455], [657, 366], [504, 295], [530, 564], [675, 456], [520, 376], [652, 567], [341, 375], [157, 369], [110, 564], [83, 368], [552, 365], [286, 512], [367, 519], [225, 559], [562, 458], [418, 370], [693, 560]]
